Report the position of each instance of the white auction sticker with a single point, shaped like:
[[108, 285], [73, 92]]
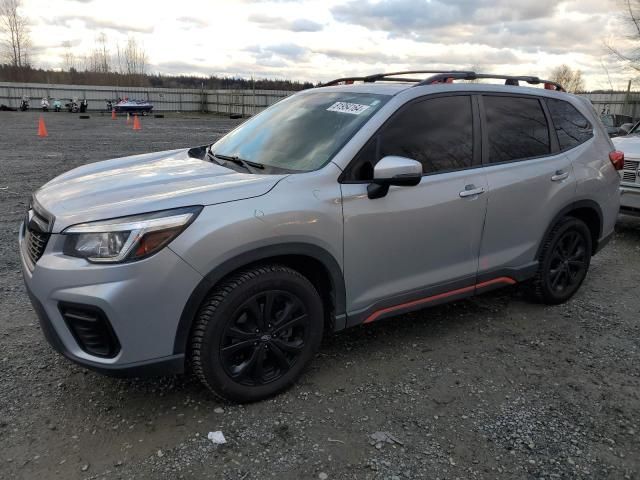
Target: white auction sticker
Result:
[[346, 107]]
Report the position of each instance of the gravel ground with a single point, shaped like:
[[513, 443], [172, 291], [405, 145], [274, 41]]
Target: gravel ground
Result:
[[492, 387]]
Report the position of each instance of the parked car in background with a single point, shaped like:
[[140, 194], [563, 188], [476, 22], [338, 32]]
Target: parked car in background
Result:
[[613, 122], [630, 174], [336, 207], [625, 128]]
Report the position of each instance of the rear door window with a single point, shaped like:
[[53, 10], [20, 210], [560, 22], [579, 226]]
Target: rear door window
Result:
[[571, 126], [516, 128]]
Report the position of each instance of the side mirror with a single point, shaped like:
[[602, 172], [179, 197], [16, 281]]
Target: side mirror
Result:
[[392, 170]]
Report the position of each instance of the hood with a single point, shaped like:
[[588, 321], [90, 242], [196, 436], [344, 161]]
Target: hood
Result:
[[630, 145], [145, 183]]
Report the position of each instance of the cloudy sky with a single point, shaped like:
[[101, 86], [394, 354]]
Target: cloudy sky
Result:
[[321, 39]]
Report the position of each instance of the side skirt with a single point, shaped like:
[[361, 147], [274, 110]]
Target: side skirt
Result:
[[484, 282], [440, 298]]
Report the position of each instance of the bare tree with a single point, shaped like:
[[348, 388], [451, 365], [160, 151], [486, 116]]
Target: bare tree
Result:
[[68, 57], [606, 70], [626, 47], [570, 79], [99, 59], [15, 33], [103, 54], [132, 58]]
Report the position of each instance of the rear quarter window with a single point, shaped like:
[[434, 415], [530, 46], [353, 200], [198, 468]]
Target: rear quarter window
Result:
[[571, 126]]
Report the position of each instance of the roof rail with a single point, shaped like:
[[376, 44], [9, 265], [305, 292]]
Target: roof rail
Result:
[[439, 76]]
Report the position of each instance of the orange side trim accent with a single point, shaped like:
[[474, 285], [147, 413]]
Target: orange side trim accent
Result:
[[375, 315]]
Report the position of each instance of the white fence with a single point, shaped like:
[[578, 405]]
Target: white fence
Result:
[[243, 102], [620, 103]]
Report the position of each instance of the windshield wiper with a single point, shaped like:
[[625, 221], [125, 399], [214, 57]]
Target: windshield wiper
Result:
[[212, 157], [247, 164]]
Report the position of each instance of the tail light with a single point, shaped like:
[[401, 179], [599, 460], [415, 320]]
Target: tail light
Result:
[[617, 159]]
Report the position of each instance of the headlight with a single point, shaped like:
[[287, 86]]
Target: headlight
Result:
[[127, 238]]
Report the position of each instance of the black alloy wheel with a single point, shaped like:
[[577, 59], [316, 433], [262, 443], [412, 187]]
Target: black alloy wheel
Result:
[[569, 262], [264, 337], [256, 332], [563, 262]]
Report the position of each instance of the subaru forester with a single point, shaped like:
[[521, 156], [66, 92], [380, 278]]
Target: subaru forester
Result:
[[338, 206]]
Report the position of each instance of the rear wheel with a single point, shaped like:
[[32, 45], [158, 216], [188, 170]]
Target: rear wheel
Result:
[[563, 262], [255, 333]]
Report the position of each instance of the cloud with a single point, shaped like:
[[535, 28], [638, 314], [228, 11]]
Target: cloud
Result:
[[514, 27], [288, 51], [277, 23], [193, 22], [410, 16], [235, 69], [449, 57], [318, 40], [182, 68], [92, 23]]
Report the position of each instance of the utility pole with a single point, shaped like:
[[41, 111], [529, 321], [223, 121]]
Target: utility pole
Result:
[[627, 100]]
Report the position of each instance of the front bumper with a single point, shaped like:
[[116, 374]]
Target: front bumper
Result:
[[630, 199], [142, 300]]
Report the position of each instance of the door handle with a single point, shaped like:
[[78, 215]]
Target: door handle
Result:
[[470, 191], [559, 176]]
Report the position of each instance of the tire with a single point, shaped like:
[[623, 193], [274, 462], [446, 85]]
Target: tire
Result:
[[563, 262], [256, 332]]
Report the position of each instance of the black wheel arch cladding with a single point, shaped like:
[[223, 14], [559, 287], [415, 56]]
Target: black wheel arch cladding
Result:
[[263, 254]]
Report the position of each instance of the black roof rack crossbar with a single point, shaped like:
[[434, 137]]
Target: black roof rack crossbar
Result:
[[386, 77], [509, 79], [439, 76]]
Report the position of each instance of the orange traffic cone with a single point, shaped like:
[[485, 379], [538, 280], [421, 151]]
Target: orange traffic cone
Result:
[[42, 129], [128, 117], [136, 123], [113, 114]]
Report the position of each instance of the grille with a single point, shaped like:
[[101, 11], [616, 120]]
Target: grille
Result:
[[629, 171], [91, 329], [36, 235], [35, 243]]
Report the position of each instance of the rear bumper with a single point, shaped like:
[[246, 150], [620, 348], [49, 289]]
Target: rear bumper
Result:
[[630, 200]]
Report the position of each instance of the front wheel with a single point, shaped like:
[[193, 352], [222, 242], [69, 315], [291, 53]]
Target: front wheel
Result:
[[563, 262], [256, 332]]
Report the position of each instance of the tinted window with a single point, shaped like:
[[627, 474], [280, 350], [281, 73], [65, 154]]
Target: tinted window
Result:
[[437, 132], [301, 133], [516, 127], [572, 128]]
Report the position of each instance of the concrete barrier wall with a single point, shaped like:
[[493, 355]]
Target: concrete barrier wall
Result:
[[246, 102]]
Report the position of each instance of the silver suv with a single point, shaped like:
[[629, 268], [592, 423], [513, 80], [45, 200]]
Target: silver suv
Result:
[[339, 206]]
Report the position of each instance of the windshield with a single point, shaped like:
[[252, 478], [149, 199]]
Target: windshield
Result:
[[635, 130], [607, 120], [301, 133]]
